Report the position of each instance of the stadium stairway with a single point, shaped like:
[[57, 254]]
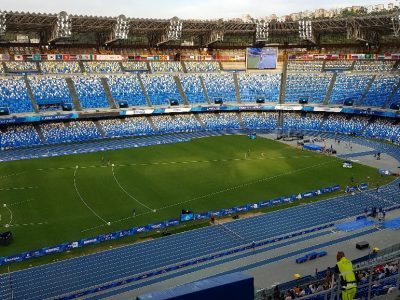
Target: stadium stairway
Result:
[[83, 69], [74, 94], [367, 88], [146, 95], [370, 121], [180, 89], [106, 88], [150, 120], [389, 99], [40, 133], [100, 128], [184, 67], [237, 89], [39, 68], [149, 67], [283, 83], [30, 94], [203, 85], [330, 88], [239, 116], [200, 121], [121, 66], [395, 66]]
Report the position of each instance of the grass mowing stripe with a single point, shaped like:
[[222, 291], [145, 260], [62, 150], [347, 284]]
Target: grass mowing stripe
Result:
[[244, 185]]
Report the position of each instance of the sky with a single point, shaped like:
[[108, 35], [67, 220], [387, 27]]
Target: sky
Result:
[[183, 9]]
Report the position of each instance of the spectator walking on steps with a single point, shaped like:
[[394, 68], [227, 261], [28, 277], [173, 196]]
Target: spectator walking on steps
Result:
[[344, 268]]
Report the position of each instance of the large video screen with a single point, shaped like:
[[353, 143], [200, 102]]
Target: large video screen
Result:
[[261, 58]]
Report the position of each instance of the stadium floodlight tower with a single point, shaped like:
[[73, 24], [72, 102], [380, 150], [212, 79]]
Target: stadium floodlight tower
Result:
[[216, 34], [396, 25], [173, 32], [262, 30], [306, 31], [62, 28], [3, 25], [356, 30], [120, 30]]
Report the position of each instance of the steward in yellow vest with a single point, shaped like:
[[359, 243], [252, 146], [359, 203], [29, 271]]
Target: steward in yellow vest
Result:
[[344, 268]]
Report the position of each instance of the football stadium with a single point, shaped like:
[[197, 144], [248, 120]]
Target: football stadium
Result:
[[191, 158]]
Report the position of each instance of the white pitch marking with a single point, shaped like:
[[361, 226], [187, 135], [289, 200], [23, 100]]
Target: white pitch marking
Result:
[[11, 215], [125, 191], [83, 201]]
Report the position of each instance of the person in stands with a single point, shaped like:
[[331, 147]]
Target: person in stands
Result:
[[344, 268]]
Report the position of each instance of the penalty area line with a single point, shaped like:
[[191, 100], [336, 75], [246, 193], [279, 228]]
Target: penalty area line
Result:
[[84, 202], [126, 192], [11, 215]]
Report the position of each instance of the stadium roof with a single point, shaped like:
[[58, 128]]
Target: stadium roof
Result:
[[368, 28]]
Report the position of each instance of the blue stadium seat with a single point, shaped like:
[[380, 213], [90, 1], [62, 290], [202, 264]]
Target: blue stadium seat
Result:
[[252, 86], [90, 91], [193, 89], [14, 95], [127, 87], [160, 88], [310, 86]]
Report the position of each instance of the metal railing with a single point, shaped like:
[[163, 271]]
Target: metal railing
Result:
[[373, 287]]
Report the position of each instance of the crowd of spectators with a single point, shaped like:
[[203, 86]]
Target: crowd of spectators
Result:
[[160, 88], [16, 136], [349, 87], [382, 283], [127, 87], [192, 87], [312, 87], [305, 66], [49, 89], [176, 123], [14, 95], [380, 90], [126, 127], [60, 67], [202, 67], [90, 91], [260, 120], [220, 86], [373, 66], [224, 121], [75, 131], [103, 67], [166, 66], [252, 86]]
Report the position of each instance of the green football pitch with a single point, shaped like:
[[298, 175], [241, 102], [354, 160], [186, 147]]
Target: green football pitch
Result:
[[48, 201]]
